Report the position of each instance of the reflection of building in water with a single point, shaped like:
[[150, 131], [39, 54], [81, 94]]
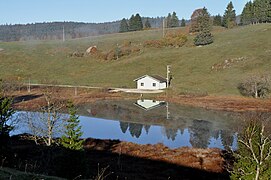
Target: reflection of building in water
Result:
[[147, 104]]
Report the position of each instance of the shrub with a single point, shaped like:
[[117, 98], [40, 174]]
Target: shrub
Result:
[[255, 86], [175, 39], [172, 39]]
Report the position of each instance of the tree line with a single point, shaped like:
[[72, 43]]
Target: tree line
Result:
[[258, 11], [136, 23], [54, 30]]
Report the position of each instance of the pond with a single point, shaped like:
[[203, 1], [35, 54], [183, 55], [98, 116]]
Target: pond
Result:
[[151, 122]]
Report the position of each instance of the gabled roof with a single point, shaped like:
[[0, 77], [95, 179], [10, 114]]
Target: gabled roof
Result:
[[155, 77]]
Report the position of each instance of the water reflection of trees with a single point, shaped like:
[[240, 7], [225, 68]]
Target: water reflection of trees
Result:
[[147, 128], [135, 129], [201, 132], [227, 139], [124, 126], [171, 133]]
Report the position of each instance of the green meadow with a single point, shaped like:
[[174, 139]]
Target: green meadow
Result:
[[248, 49]]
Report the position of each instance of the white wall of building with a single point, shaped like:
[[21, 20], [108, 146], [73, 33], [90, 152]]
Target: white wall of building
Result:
[[150, 83]]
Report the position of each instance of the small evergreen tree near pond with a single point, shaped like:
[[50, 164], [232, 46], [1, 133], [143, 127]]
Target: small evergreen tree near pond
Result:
[[6, 113], [71, 138]]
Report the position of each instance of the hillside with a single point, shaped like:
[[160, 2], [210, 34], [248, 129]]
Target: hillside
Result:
[[247, 49], [54, 30]]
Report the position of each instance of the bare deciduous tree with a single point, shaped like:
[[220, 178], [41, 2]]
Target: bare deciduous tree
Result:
[[9, 86], [255, 86], [253, 156], [45, 125]]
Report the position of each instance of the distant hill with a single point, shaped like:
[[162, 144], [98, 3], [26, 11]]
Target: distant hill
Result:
[[54, 30]]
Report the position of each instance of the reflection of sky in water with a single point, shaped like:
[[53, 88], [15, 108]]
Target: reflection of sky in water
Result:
[[136, 133]]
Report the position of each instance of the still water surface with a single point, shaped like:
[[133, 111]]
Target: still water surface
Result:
[[152, 122]]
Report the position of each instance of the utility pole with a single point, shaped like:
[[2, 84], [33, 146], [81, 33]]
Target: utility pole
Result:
[[63, 35], [168, 73], [117, 51], [164, 27]]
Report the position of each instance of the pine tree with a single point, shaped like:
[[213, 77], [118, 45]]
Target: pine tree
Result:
[[204, 36], [217, 20], [138, 22], [6, 113], [174, 20], [135, 23], [168, 20], [247, 14], [71, 138], [123, 26], [132, 23], [194, 25], [147, 24], [229, 16], [183, 22], [268, 12]]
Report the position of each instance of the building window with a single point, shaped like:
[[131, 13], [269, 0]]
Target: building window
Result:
[[142, 84], [154, 84]]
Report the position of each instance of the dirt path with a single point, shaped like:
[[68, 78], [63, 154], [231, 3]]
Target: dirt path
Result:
[[137, 91]]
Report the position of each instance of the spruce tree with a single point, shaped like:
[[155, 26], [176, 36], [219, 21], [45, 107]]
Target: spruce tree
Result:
[[71, 138], [183, 22], [123, 26], [168, 20], [174, 20], [268, 11], [229, 16], [6, 113], [204, 36], [147, 24], [138, 22], [247, 14], [132, 23], [217, 20]]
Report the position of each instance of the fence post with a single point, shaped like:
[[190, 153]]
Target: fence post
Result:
[[75, 91], [28, 87]]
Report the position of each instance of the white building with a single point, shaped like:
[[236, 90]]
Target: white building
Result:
[[151, 82]]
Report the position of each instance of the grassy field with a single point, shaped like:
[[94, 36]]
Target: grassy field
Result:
[[191, 66]]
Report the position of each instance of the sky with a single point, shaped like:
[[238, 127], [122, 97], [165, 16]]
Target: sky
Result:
[[31, 11]]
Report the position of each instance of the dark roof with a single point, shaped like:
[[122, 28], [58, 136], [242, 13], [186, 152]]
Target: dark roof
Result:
[[160, 78], [156, 77]]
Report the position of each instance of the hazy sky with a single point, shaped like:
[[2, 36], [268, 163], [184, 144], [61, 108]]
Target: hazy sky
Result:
[[30, 11]]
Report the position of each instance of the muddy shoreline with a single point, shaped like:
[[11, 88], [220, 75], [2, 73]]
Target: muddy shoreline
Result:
[[33, 100]]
